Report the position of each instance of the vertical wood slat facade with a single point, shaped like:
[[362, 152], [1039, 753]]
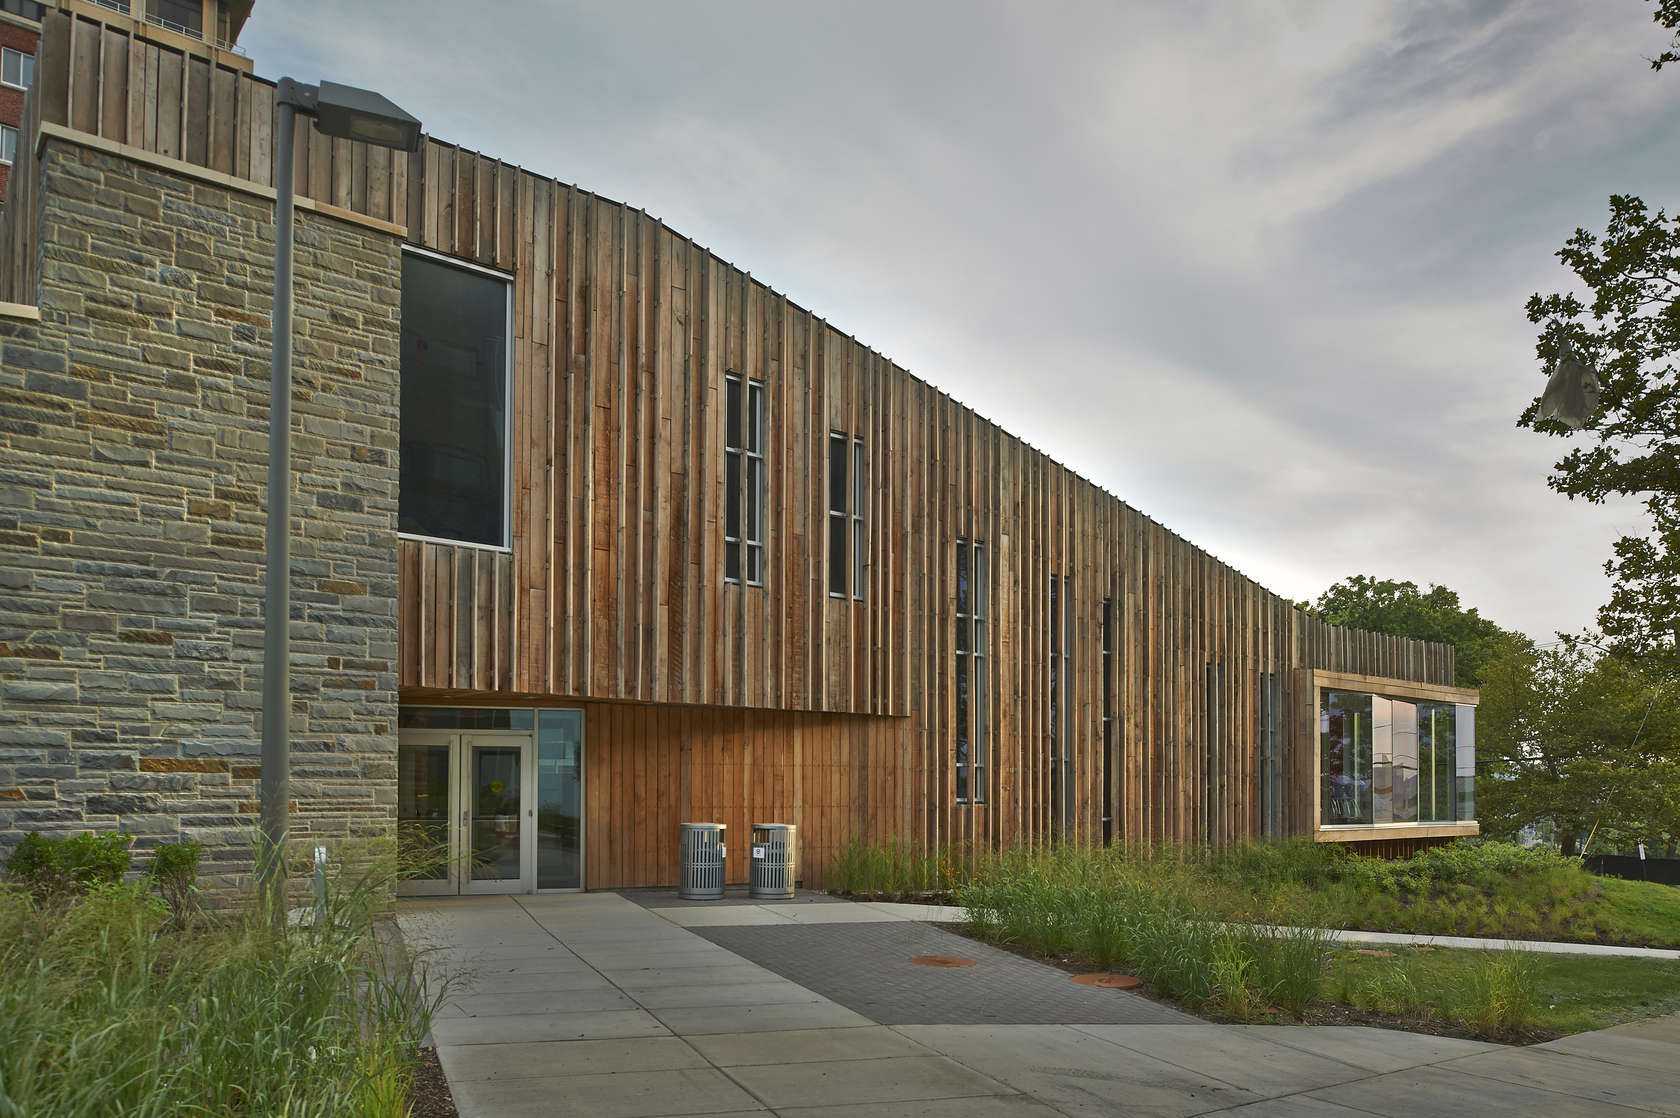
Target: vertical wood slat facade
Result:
[[613, 592]]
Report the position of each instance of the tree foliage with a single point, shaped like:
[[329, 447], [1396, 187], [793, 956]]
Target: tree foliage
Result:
[[1630, 327], [1402, 610], [1667, 16], [1580, 741]]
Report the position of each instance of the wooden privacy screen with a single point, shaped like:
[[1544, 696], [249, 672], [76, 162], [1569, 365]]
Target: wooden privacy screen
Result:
[[613, 589]]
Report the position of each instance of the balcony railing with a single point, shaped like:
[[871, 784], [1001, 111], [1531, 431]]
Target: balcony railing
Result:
[[126, 8]]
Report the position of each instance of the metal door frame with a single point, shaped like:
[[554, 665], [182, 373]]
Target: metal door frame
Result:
[[450, 884], [460, 743], [526, 742]]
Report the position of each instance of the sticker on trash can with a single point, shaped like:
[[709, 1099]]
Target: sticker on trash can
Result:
[[758, 852]]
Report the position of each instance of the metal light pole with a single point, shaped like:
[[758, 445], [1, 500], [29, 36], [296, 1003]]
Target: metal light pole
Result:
[[354, 114]]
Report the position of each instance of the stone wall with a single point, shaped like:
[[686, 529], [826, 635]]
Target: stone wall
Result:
[[133, 450]]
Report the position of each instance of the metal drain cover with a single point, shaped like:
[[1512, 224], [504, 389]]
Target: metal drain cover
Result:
[[942, 961], [1108, 981]]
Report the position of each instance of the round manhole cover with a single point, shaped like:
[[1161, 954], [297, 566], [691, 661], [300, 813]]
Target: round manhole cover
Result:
[[1108, 981], [942, 961]]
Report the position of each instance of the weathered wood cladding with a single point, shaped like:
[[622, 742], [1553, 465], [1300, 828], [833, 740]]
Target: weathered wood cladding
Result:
[[648, 768], [613, 589]]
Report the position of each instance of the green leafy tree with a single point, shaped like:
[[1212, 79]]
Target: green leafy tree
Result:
[[1630, 327], [1402, 610], [1585, 742]]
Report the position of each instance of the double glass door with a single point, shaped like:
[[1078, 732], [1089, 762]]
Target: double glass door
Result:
[[466, 812]]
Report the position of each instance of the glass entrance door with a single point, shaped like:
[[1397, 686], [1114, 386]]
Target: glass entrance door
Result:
[[426, 846], [466, 812], [498, 815]]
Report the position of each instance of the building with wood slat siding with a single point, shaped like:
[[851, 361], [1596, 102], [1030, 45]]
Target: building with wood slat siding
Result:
[[597, 641]]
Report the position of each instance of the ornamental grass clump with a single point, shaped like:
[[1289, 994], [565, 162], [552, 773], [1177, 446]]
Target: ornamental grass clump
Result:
[[1144, 912], [894, 868], [111, 1006], [1501, 995]]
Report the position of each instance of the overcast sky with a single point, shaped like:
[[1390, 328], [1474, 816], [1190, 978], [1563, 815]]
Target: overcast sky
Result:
[[1257, 269]]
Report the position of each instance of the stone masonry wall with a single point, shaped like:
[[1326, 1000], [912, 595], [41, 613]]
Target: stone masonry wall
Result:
[[133, 447]]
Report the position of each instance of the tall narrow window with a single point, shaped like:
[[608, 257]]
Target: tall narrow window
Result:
[[1213, 749], [860, 501], [456, 321], [1108, 774], [1060, 708], [8, 144], [1269, 696], [848, 497], [971, 727], [743, 472]]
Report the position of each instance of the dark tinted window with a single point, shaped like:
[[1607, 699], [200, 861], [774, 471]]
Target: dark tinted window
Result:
[[188, 14], [454, 394]]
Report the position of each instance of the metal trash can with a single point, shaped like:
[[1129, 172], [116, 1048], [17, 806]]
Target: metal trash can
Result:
[[701, 854], [774, 861]]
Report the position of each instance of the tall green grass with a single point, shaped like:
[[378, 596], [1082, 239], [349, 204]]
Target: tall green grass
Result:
[[111, 1007], [895, 868], [1108, 907]]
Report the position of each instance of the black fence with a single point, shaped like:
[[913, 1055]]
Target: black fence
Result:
[[1665, 870]]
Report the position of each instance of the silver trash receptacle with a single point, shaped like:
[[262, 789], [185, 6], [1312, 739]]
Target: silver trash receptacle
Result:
[[774, 861], [701, 855]]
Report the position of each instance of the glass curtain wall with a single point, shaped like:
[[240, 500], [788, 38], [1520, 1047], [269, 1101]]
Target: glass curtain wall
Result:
[[1384, 760]]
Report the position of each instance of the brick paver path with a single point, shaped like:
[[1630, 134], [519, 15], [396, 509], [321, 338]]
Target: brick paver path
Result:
[[867, 969]]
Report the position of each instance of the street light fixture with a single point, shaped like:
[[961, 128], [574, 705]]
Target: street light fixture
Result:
[[353, 114]]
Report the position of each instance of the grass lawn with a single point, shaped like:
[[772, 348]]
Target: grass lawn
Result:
[[1638, 912], [1491, 890], [1571, 993]]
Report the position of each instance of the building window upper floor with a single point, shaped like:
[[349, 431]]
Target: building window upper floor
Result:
[[848, 499], [457, 320], [743, 461], [28, 9], [8, 145], [17, 69]]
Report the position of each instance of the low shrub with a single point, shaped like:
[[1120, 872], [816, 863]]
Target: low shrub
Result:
[[50, 868], [174, 874]]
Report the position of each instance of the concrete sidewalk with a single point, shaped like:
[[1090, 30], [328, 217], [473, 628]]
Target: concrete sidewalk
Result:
[[594, 1005], [813, 910]]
